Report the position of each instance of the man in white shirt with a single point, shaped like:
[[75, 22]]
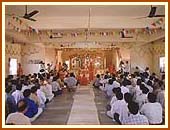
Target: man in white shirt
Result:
[[41, 96], [17, 94], [47, 89], [135, 118], [115, 90], [119, 107], [71, 82], [108, 88], [124, 89], [142, 98], [18, 118], [152, 110]]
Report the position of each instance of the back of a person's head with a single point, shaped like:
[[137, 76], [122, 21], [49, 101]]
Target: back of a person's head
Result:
[[128, 97], [21, 105], [35, 75], [145, 90], [71, 74], [145, 74], [147, 68], [27, 93], [133, 75], [55, 78], [116, 90], [163, 77], [124, 82], [139, 82], [19, 87], [110, 81], [119, 96], [121, 76], [33, 89], [151, 77], [106, 77], [149, 83], [151, 97], [98, 76], [113, 78], [141, 86], [133, 107], [128, 82]]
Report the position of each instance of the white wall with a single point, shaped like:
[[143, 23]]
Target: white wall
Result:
[[50, 56], [11, 51], [46, 55]]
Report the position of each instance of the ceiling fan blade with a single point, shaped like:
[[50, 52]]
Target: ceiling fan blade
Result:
[[32, 13], [152, 11], [141, 17], [31, 19], [159, 16]]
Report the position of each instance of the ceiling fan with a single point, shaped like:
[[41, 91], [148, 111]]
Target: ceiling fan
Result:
[[87, 31], [29, 15], [152, 13]]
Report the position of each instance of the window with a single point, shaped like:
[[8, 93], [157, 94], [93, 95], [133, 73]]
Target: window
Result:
[[13, 67], [162, 64]]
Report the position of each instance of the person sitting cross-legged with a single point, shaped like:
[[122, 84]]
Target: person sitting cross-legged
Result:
[[17, 94], [32, 111], [18, 118], [119, 107], [56, 89], [152, 110], [134, 118], [71, 82], [10, 104]]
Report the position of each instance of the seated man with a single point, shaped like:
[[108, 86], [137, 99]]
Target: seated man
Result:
[[142, 98], [17, 94], [41, 95], [71, 82], [32, 111], [47, 89], [152, 110], [18, 118], [134, 118], [119, 107], [56, 89], [10, 103], [97, 83], [34, 96]]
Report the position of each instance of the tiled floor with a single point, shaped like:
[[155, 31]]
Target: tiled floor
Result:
[[101, 103], [57, 111], [89, 107]]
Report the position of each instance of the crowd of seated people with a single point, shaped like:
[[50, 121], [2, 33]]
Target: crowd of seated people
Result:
[[27, 95], [133, 98]]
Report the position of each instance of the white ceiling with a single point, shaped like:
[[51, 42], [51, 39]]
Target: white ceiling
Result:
[[76, 16]]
